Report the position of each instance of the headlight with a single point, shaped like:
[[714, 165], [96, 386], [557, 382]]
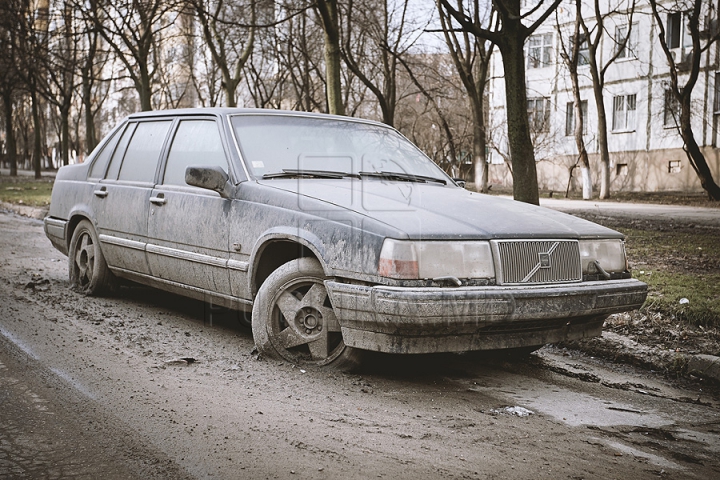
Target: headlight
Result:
[[609, 254], [414, 260]]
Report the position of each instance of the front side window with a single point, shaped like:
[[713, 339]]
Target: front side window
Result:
[[539, 50], [624, 109], [143, 152], [539, 114], [196, 143]]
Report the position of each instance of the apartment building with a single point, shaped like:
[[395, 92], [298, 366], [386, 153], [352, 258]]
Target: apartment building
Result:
[[646, 151]]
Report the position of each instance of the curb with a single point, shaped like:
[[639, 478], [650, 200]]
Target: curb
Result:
[[622, 349], [26, 211]]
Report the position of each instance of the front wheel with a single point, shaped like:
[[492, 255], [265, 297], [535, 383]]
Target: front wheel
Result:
[[89, 273], [293, 319]]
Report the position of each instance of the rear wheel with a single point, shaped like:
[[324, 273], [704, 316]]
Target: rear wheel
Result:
[[89, 273], [293, 319]]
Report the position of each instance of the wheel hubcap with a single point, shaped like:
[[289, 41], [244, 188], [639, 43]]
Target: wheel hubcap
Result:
[[304, 327], [85, 259]]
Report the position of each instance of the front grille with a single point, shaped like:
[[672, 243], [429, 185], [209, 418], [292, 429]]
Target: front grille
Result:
[[537, 261]]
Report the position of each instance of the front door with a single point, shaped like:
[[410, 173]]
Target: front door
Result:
[[188, 226]]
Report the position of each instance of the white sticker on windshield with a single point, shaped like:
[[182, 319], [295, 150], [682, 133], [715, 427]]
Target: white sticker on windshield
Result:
[[260, 164]]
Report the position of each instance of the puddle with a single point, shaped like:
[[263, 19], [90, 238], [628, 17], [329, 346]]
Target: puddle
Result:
[[651, 458], [577, 409]]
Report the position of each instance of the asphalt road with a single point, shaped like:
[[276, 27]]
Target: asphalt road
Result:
[[95, 387], [673, 213]]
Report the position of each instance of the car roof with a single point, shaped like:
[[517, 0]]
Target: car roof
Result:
[[226, 111]]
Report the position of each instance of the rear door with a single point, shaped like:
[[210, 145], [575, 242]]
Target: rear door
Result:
[[188, 226], [121, 200]]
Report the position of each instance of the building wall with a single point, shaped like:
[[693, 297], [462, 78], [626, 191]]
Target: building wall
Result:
[[646, 146]]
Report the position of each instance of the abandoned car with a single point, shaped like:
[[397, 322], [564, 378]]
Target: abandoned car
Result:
[[337, 233]]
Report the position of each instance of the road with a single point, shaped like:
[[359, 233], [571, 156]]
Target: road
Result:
[[706, 216], [96, 387]]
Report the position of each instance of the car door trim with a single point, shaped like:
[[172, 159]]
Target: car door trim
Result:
[[185, 255], [122, 242]]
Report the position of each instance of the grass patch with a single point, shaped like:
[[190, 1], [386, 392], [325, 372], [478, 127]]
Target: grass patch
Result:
[[678, 264], [24, 191], [691, 299]]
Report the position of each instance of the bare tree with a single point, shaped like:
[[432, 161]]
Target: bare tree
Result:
[[510, 37], [471, 56], [130, 28], [375, 36], [230, 44], [571, 56], [684, 72], [593, 38], [10, 81]]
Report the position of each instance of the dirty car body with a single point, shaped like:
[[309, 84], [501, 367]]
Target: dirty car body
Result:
[[338, 234]]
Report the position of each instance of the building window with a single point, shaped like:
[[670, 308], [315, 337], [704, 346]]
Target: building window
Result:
[[671, 110], [570, 117], [677, 31], [621, 169], [539, 50], [624, 113], [621, 33], [583, 51], [674, 166], [717, 93], [539, 114]]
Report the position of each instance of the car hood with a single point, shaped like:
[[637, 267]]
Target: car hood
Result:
[[434, 211]]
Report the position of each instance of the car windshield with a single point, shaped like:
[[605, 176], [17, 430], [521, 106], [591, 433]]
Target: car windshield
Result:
[[277, 146]]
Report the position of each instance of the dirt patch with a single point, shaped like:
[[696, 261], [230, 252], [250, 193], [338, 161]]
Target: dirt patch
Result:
[[680, 261]]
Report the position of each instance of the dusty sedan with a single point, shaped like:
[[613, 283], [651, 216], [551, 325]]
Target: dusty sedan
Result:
[[338, 234]]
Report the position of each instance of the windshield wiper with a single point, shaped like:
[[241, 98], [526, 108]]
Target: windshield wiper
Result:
[[292, 173], [405, 177]]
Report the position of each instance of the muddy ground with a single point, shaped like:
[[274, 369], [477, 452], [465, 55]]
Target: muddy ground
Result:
[[109, 372]]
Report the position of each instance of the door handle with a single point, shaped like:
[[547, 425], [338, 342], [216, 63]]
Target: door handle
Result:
[[102, 193], [159, 200]]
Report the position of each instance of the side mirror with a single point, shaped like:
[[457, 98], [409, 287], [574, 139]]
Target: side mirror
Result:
[[459, 182], [211, 178]]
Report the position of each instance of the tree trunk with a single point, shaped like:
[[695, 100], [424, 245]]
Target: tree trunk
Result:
[[65, 133], [90, 135], [525, 186], [329, 16], [145, 89], [603, 148], [479, 145], [10, 143], [37, 140], [697, 159]]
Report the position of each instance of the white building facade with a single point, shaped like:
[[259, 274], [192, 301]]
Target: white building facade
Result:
[[645, 147]]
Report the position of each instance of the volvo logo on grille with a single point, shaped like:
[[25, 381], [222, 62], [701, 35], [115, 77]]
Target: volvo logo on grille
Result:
[[544, 260]]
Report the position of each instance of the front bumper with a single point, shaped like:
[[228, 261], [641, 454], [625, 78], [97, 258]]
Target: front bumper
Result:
[[426, 320]]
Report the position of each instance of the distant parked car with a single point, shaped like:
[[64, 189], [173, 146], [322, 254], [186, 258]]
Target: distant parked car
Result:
[[338, 233]]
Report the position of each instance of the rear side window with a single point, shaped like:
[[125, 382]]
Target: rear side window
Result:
[[117, 157], [143, 152], [101, 160], [196, 143]]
